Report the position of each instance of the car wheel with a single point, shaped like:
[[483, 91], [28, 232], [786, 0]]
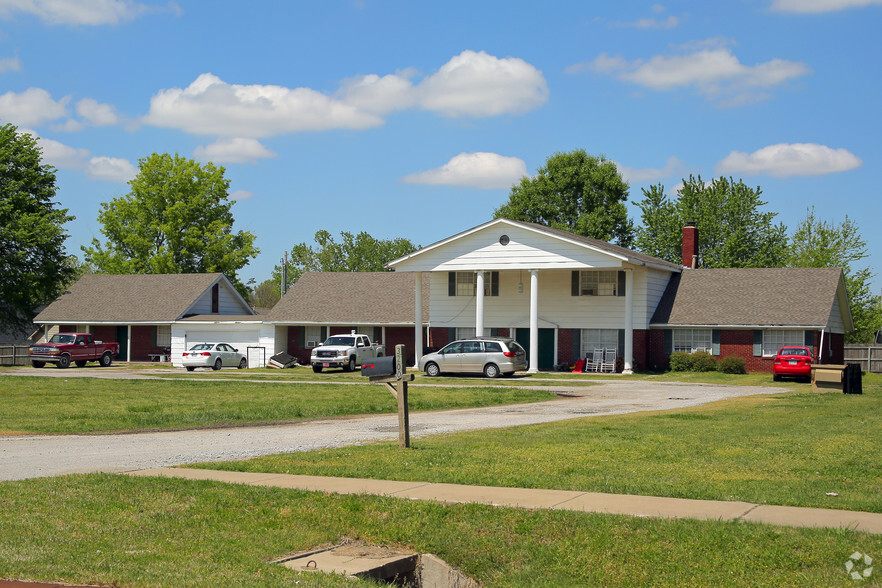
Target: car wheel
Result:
[[80, 363], [190, 368], [38, 364], [350, 367], [776, 378], [106, 359], [217, 364], [63, 361], [243, 364], [433, 370], [491, 370], [317, 369]]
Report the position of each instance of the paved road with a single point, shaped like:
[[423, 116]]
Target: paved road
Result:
[[52, 455]]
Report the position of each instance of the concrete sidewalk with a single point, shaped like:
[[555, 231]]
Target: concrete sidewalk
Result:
[[624, 504]]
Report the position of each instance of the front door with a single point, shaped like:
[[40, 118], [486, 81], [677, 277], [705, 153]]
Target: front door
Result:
[[546, 346], [122, 335]]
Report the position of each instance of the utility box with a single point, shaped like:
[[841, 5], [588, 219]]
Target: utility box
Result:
[[378, 366], [828, 377]]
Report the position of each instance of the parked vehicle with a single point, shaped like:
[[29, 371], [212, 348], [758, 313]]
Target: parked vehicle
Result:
[[344, 351], [793, 362], [79, 348], [488, 355], [214, 356]]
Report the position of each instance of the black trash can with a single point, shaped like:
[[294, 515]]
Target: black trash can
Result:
[[852, 379]]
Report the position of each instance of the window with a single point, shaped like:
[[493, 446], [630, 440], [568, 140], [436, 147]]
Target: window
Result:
[[598, 283], [472, 347], [163, 336], [775, 339], [466, 283], [313, 336], [465, 332], [692, 340], [599, 339], [215, 298]]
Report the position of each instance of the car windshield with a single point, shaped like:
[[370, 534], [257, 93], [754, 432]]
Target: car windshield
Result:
[[338, 340], [62, 339], [793, 351], [202, 347]]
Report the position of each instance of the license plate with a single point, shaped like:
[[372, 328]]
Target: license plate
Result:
[[792, 362], [326, 365]]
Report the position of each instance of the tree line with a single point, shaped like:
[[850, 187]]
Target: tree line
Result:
[[177, 218]]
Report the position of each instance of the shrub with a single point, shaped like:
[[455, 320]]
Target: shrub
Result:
[[681, 362], [702, 361], [732, 364]]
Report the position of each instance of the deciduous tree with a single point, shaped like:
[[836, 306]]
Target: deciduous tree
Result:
[[733, 230], [176, 219], [576, 192], [34, 267]]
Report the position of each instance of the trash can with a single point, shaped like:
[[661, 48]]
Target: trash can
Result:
[[852, 379]]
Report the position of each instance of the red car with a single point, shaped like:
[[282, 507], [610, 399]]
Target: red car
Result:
[[794, 362]]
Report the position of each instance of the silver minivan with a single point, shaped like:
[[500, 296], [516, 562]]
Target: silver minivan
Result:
[[488, 355]]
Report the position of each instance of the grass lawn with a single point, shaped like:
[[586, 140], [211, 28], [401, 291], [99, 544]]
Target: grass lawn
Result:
[[106, 529], [789, 449], [92, 405]]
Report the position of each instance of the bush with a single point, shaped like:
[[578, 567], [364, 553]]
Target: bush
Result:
[[681, 362], [732, 364], [700, 361]]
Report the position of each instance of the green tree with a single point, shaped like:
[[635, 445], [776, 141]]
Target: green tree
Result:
[[33, 262], [820, 243], [354, 253], [574, 192], [176, 219], [732, 230], [265, 294]]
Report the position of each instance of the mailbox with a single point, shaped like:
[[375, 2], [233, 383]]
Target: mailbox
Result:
[[378, 366]]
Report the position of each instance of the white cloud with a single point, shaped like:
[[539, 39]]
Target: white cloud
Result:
[[81, 12], [99, 115], [789, 159], [480, 85], [673, 166], [817, 6], [58, 154], [472, 84], [111, 169], [236, 150], [241, 195], [32, 107], [651, 23], [714, 72], [487, 171], [10, 64]]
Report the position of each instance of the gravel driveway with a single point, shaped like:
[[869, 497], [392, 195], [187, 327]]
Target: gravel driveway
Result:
[[53, 455]]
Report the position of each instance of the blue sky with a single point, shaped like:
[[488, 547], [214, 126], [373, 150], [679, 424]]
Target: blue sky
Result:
[[413, 119]]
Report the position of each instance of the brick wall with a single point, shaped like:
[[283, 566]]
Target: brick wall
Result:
[[566, 351], [106, 333], [401, 336], [641, 349], [141, 342], [438, 337]]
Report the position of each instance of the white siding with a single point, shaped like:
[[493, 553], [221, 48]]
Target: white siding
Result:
[[228, 302], [526, 250], [557, 307], [834, 323], [240, 336]]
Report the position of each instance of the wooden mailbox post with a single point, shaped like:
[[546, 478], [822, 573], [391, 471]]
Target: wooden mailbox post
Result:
[[397, 385]]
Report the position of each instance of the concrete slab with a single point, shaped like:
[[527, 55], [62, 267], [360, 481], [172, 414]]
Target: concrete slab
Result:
[[656, 506], [793, 516], [514, 497]]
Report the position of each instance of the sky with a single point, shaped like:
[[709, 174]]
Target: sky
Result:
[[413, 119]]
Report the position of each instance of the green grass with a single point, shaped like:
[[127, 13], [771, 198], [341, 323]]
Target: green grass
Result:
[[789, 449], [91, 405], [115, 530]]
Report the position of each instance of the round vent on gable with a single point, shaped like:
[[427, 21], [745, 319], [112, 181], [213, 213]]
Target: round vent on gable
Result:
[[503, 240]]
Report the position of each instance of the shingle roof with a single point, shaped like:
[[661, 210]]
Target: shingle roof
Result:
[[128, 298], [351, 298], [749, 297]]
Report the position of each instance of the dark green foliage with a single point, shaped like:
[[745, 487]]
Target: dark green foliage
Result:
[[681, 362], [732, 364], [732, 230], [34, 267], [574, 192], [175, 220], [700, 361]]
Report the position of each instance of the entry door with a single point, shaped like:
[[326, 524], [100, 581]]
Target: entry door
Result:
[[122, 336], [546, 346]]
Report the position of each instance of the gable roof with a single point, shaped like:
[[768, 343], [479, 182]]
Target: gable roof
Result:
[[753, 297], [350, 298], [133, 298], [597, 245]]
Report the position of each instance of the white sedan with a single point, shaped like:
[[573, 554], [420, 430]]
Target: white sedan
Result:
[[213, 355]]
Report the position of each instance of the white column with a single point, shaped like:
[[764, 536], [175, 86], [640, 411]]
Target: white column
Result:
[[534, 321], [479, 305], [629, 322], [418, 318], [129, 344]]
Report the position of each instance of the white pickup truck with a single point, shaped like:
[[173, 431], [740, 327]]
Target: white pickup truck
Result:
[[346, 351]]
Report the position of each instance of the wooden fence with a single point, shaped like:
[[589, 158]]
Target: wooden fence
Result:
[[14, 355], [869, 357]]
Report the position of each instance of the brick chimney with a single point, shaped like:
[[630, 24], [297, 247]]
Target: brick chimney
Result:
[[690, 245]]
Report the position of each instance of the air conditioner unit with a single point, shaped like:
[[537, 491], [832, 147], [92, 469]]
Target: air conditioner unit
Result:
[[310, 344]]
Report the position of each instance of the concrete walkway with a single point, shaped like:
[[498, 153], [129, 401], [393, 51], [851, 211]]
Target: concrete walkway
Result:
[[624, 504]]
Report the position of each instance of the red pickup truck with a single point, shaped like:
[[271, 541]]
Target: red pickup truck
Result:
[[64, 348]]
